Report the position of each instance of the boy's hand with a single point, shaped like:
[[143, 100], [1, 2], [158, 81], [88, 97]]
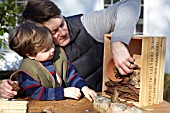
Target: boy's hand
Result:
[[72, 92], [89, 93]]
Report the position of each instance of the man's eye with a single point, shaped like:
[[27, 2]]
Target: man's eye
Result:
[[54, 31], [62, 24]]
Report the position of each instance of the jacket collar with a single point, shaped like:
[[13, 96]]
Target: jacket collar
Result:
[[73, 30]]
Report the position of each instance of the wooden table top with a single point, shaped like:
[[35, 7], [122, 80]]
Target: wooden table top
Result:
[[164, 107], [63, 106], [81, 106]]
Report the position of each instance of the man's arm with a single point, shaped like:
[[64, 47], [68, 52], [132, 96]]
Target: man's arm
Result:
[[127, 17], [120, 20]]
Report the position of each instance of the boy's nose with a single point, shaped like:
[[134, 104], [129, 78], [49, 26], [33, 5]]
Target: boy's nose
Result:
[[52, 50]]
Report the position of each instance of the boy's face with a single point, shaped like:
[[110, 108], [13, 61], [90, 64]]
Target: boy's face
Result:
[[59, 30], [46, 54]]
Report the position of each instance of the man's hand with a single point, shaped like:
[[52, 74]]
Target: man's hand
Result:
[[122, 59], [6, 89]]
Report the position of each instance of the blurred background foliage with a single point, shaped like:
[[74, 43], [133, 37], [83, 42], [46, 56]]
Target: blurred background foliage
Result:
[[9, 18], [167, 87], [9, 12], [167, 81]]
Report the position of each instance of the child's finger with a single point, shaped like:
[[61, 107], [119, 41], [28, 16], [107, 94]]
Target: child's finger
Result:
[[88, 97]]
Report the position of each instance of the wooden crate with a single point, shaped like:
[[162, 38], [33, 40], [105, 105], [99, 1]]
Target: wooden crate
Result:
[[149, 54], [13, 106]]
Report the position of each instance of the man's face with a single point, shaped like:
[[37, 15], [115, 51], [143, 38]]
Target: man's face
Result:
[[59, 30]]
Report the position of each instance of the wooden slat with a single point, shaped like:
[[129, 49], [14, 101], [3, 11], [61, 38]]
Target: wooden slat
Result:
[[13, 111], [162, 64], [107, 57], [13, 106], [143, 91], [158, 74]]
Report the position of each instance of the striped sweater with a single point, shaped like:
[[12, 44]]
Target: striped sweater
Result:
[[36, 91]]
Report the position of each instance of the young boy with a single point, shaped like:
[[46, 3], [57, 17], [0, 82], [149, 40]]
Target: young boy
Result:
[[45, 72]]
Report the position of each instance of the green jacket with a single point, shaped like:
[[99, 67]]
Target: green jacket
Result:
[[37, 71]]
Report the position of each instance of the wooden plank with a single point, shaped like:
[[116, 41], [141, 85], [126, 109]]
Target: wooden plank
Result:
[[107, 57], [12, 111], [13, 106], [162, 65], [158, 74]]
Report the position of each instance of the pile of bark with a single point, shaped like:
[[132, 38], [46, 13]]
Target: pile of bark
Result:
[[126, 90]]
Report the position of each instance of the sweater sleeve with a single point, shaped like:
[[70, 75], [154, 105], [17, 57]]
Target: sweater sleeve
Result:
[[73, 79], [36, 91], [119, 19], [127, 16]]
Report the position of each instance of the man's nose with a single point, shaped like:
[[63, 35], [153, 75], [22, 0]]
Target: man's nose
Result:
[[62, 32]]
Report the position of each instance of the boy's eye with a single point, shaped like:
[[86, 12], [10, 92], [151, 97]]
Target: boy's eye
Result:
[[45, 50], [49, 48]]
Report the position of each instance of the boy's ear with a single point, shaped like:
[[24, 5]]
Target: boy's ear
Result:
[[31, 57]]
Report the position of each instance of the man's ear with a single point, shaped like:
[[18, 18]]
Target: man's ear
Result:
[[31, 57]]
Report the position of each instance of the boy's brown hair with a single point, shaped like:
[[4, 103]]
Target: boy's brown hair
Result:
[[30, 38]]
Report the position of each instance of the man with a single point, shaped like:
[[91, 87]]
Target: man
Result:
[[82, 37]]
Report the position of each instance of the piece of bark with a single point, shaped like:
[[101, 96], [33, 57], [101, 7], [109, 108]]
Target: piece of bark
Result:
[[125, 80], [15, 87], [115, 96], [125, 90], [110, 84], [133, 88], [128, 96]]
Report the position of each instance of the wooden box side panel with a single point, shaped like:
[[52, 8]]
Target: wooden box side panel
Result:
[[152, 71], [107, 57]]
